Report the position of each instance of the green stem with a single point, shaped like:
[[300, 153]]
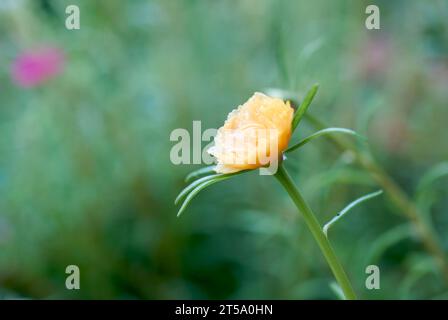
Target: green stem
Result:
[[315, 228], [401, 200]]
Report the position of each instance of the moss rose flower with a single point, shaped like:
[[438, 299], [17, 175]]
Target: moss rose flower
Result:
[[254, 134]]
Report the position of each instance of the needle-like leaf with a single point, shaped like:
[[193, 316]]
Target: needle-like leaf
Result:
[[193, 185], [304, 106], [348, 208], [198, 189], [323, 132], [337, 290], [425, 195], [432, 175], [386, 240], [200, 172]]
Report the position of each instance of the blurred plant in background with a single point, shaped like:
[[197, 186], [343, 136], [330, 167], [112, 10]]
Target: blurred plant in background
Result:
[[85, 176]]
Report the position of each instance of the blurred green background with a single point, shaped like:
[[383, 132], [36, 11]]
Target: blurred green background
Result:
[[85, 172]]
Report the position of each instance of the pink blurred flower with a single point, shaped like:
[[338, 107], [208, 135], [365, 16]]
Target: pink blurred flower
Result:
[[32, 68]]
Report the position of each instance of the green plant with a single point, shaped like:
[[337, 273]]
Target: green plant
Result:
[[206, 177]]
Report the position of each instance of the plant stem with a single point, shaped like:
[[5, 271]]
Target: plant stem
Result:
[[315, 228], [398, 197]]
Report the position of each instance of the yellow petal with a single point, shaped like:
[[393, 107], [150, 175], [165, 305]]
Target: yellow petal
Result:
[[253, 134]]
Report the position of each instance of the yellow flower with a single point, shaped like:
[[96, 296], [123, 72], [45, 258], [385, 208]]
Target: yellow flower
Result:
[[253, 135]]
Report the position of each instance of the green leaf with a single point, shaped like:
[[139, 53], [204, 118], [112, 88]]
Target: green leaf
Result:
[[387, 240], [198, 189], [426, 194], [323, 132], [420, 266], [337, 290], [304, 106], [200, 172], [438, 171], [193, 185], [348, 208]]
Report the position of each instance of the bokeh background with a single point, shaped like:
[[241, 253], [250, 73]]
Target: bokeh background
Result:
[[85, 172]]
